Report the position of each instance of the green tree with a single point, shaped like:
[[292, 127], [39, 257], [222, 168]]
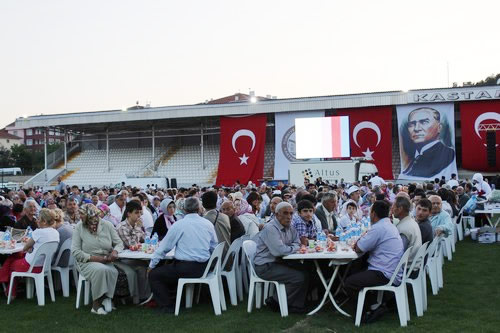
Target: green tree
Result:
[[5, 158], [21, 157], [489, 81]]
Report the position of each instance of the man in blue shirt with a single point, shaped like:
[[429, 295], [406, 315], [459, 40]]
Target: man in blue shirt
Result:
[[385, 249], [194, 239]]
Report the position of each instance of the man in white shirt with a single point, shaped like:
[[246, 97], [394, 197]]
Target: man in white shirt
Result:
[[376, 180], [453, 182], [117, 208]]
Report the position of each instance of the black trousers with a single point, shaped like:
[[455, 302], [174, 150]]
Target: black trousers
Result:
[[295, 278], [360, 278], [163, 279]]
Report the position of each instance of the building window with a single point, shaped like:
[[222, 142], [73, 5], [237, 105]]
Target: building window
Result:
[[29, 142], [29, 132], [38, 131], [15, 133]]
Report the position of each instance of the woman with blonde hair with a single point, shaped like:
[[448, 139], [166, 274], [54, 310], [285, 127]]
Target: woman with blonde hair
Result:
[[21, 261], [65, 231], [95, 247]]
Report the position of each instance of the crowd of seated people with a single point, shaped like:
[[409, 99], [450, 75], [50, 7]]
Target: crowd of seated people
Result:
[[102, 222]]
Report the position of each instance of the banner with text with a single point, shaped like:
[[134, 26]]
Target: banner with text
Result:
[[480, 135], [285, 140], [371, 136], [426, 141]]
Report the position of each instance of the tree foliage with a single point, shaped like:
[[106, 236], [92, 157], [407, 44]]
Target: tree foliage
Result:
[[489, 81], [23, 157]]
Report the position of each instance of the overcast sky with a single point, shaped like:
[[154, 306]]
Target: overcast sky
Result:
[[60, 56]]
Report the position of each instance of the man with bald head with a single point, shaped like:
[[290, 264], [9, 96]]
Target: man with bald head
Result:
[[440, 220], [276, 240]]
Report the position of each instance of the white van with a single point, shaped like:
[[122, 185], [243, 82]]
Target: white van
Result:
[[11, 171]]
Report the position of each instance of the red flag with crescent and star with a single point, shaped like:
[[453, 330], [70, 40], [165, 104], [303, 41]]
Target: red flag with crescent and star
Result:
[[478, 120], [371, 136], [242, 144]]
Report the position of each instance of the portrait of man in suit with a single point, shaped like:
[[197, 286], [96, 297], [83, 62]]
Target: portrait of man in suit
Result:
[[427, 155]]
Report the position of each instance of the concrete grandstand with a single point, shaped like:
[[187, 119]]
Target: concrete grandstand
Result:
[[182, 142]]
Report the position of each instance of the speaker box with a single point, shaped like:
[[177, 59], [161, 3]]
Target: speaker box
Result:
[[491, 152], [168, 182], [173, 182]]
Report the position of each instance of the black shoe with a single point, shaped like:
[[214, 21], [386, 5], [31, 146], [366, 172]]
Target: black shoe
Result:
[[272, 304], [376, 314]]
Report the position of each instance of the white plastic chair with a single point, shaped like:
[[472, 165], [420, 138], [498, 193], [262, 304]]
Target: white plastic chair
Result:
[[242, 280], [399, 291], [231, 274], [417, 284], [250, 248], [64, 271], [460, 227], [85, 284], [431, 266], [46, 250], [212, 277]]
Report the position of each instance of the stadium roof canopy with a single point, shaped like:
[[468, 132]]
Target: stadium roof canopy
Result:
[[138, 118]]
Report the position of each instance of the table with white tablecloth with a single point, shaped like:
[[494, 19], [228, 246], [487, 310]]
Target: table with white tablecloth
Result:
[[489, 215], [337, 259], [141, 255]]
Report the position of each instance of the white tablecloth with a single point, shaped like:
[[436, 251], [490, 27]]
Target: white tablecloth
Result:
[[19, 247], [140, 255]]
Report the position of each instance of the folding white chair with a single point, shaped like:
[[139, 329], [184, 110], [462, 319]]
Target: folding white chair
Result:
[[399, 291], [46, 250], [417, 284], [231, 274], [250, 248], [212, 277], [64, 271]]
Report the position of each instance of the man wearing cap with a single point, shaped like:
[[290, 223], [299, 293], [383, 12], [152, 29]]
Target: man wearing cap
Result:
[[276, 240], [354, 196]]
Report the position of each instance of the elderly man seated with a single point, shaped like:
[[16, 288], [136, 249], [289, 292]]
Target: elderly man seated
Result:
[[278, 239], [440, 220]]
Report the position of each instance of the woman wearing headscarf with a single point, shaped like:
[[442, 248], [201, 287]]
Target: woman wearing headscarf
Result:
[[166, 219], [95, 247], [246, 214]]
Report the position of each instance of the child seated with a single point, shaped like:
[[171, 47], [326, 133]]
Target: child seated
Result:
[[350, 216]]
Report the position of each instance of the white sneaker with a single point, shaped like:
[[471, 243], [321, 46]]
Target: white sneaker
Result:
[[108, 305], [99, 311]]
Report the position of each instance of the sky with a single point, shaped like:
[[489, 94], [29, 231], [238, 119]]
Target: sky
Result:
[[62, 56]]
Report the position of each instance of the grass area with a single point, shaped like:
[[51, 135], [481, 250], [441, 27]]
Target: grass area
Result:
[[469, 302]]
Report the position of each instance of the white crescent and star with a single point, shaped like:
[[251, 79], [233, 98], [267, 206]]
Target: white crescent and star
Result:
[[483, 117], [241, 133], [370, 125]]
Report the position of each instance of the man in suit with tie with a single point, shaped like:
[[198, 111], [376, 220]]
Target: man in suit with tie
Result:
[[430, 157], [326, 212]]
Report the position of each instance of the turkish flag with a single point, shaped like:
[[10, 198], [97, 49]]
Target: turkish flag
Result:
[[477, 119], [242, 144], [371, 136]]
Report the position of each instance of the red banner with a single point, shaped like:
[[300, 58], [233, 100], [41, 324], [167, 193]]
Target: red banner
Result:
[[371, 136], [477, 119], [242, 144]]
